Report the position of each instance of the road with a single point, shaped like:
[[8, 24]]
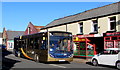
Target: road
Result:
[[12, 62]]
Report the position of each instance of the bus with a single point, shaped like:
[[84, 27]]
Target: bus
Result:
[[47, 46]]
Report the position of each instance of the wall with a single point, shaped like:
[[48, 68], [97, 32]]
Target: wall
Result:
[[87, 26], [4, 42], [74, 28], [58, 28], [32, 29], [44, 30], [103, 26], [0, 41], [10, 44], [118, 23]]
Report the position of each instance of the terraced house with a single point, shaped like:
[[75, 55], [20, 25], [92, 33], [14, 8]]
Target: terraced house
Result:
[[91, 23], [8, 38]]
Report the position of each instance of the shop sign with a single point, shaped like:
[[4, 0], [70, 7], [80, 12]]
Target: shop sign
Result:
[[113, 34], [79, 39], [81, 36]]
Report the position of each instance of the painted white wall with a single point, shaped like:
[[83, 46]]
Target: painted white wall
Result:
[[103, 24], [0, 40], [87, 27], [58, 28], [10, 44], [118, 23], [74, 28]]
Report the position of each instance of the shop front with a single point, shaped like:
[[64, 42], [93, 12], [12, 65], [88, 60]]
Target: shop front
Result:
[[87, 46], [112, 40]]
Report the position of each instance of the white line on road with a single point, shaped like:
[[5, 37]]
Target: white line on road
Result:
[[58, 66]]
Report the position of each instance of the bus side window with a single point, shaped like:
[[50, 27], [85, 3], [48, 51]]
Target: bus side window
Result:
[[36, 43], [31, 43], [44, 45]]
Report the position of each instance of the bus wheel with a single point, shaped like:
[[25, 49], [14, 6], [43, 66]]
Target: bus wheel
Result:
[[36, 58]]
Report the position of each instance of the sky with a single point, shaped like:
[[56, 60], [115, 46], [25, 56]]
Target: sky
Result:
[[17, 15]]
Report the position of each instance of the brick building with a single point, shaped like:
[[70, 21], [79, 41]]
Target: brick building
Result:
[[8, 38], [31, 29]]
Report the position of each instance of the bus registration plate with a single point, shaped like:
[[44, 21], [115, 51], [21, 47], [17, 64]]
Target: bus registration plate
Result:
[[61, 60]]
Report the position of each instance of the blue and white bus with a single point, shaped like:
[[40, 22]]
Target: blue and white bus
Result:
[[45, 46]]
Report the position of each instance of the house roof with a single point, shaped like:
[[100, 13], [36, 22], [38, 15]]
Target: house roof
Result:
[[12, 34], [93, 13], [0, 35], [38, 28]]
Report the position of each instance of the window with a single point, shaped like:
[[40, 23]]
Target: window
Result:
[[112, 23], [81, 28], [110, 52], [44, 44], [36, 43], [106, 52], [118, 38], [114, 38], [31, 41], [10, 45], [115, 51], [95, 25], [109, 44], [107, 38]]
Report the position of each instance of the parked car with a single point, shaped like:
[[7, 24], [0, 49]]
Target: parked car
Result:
[[109, 56]]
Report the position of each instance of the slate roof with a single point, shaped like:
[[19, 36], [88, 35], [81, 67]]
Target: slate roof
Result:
[[0, 35], [96, 12], [12, 34]]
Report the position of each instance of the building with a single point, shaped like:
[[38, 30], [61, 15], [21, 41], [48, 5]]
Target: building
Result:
[[0, 38], [8, 38], [89, 25], [112, 40], [31, 29], [95, 21]]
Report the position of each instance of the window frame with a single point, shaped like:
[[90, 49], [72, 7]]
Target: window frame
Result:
[[81, 27], [112, 21], [95, 29]]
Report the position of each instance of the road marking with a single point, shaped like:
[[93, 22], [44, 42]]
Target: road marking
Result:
[[57, 65]]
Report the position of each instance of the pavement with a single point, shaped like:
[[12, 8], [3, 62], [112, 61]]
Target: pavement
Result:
[[81, 60]]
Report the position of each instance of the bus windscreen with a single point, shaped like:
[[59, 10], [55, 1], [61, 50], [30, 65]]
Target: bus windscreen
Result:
[[61, 46]]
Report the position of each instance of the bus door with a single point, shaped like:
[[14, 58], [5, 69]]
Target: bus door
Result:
[[30, 47], [43, 53]]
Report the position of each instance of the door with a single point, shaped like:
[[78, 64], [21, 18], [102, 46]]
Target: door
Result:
[[108, 57], [113, 57]]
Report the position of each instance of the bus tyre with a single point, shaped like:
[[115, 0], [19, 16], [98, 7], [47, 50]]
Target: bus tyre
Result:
[[36, 58], [94, 62], [118, 65]]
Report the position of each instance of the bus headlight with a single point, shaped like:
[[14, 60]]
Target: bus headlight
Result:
[[51, 49], [65, 54]]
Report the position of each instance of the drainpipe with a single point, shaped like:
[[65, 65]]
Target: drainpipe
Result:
[[66, 27]]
